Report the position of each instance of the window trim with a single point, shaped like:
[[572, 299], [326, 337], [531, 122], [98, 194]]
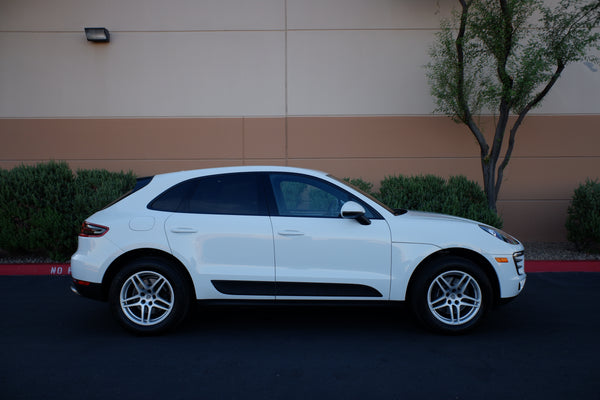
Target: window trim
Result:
[[266, 193], [183, 209], [274, 209]]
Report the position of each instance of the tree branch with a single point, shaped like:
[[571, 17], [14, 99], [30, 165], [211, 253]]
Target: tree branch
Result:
[[520, 118], [465, 112], [506, 99]]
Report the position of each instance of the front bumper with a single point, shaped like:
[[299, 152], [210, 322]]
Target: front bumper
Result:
[[511, 274]]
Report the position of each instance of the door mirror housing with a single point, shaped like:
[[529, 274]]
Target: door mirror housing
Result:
[[353, 210]]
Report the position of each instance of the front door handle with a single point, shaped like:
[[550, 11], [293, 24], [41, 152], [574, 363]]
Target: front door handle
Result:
[[183, 229], [290, 232]]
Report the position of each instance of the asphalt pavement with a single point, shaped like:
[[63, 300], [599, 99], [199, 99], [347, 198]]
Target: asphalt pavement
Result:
[[543, 345]]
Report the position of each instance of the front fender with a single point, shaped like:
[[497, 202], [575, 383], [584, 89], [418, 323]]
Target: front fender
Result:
[[406, 257]]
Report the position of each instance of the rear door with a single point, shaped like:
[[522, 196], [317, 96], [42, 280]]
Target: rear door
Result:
[[223, 232]]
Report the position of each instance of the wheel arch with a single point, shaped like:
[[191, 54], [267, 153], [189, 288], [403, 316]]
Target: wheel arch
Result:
[[125, 258], [470, 255]]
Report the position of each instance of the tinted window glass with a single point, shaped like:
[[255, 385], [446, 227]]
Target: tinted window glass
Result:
[[236, 194], [140, 183], [299, 195], [172, 198], [370, 197]]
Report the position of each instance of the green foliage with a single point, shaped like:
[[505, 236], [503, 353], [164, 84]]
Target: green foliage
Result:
[[360, 184], [300, 196], [43, 206], [456, 196], [34, 208], [504, 56], [583, 220], [509, 56], [94, 189]]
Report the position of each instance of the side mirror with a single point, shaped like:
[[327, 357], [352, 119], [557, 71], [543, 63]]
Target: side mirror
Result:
[[353, 210]]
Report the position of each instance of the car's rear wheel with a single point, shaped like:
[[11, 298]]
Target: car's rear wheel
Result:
[[451, 295], [149, 296]]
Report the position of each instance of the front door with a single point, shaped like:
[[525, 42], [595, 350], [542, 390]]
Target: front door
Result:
[[318, 254]]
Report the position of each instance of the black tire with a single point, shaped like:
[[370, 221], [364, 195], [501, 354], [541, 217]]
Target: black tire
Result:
[[450, 295], [149, 296]]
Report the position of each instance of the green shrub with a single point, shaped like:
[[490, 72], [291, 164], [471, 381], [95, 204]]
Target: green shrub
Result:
[[583, 219], [34, 209], [361, 184], [456, 196], [43, 206], [94, 189]]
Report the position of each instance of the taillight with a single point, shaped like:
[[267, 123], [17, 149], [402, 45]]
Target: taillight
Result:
[[92, 230]]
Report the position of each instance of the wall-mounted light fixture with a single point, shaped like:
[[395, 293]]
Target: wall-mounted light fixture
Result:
[[100, 35]]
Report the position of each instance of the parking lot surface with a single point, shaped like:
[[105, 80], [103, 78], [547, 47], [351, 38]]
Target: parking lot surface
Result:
[[543, 345]]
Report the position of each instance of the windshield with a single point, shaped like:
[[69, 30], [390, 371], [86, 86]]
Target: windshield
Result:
[[345, 183]]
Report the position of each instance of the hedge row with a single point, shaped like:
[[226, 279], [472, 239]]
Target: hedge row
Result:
[[42, 206], [461, 197], [454, 196]]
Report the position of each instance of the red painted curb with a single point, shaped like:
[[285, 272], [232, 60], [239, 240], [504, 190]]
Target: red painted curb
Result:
[[531, 266], [35, 269], [562, 266]]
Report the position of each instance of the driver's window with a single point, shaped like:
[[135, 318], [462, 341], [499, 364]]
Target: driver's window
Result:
[[300, 196]]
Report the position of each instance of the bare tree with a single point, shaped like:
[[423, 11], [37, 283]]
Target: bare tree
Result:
[[502, 57]]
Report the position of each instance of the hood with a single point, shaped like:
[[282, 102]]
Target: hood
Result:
[[445, 231], [423, 215]]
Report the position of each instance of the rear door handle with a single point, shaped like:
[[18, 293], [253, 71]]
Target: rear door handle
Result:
[[290, 232], [183, 229]]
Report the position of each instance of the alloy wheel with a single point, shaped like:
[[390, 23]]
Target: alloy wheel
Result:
[[147, 298], [454, 297]]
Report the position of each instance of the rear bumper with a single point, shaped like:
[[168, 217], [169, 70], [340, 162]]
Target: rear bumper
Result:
[[88, 289]]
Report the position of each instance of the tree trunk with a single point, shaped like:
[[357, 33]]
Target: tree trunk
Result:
[[488, 166]]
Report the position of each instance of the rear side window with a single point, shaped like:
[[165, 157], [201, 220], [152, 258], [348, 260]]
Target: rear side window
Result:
[[233, 194], [139, 184], [171, 199]]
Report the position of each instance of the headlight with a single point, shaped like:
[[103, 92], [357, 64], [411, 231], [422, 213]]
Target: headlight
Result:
[[498, 234]]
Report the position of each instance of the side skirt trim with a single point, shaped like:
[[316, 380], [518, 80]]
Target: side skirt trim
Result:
[[261, 288]]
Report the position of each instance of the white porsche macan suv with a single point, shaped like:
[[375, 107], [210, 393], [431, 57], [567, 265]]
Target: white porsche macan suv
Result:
[[279, 233]]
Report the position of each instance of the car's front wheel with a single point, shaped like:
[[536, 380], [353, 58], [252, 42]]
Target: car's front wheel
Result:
[[451, 295], [149, 296]]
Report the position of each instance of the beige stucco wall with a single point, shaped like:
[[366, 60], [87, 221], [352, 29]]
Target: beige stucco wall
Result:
[[553, 155], [336, 85], [232, 58]]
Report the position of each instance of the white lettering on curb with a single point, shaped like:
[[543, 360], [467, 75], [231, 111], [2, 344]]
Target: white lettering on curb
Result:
[[60, 270], [56, 271]]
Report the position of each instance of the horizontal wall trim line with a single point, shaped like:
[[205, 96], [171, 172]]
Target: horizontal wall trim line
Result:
[[283, 30], [363, 29], [46, 31], [533, 200], [299, 158], [281, 116], [237, 159], [439, 158], [120, 117], [150, 31]]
